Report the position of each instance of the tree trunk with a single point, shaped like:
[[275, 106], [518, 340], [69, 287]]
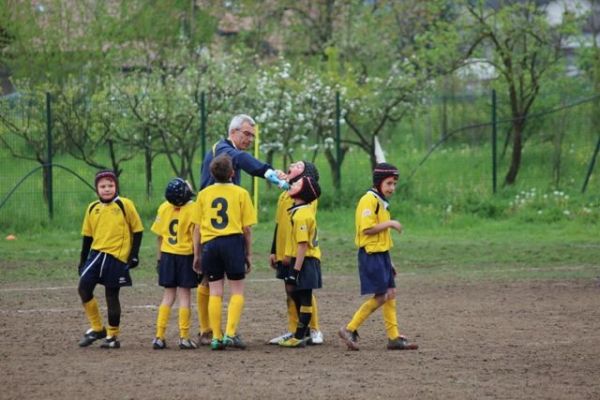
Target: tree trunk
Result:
[[517, 149]]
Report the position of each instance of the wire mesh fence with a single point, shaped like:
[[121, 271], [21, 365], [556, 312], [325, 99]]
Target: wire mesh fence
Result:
[[444, 152]]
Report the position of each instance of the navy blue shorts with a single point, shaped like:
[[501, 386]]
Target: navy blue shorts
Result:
[[375, 271], [310, 274], [104, 269], [175, 270], [224, 255]]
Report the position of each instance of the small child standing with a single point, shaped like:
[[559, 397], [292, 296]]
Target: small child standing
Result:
[[283, 226], [112, 235], [376, 270], [222, 247], [174, 227], [302, 248]]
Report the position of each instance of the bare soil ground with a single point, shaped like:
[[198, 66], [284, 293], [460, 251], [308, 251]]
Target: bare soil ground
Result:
[[478, 340]]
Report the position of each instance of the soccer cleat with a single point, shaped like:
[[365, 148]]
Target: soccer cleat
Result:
[[349, 337], [205, 338], [316, 337], [91, 336], [401, 343], [217, 344], [159, 344], [234, 341], [293, 342], [280, 338], [111, 342], [187, 344]]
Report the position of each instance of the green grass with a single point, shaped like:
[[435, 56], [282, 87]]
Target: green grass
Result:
[[471, 249]]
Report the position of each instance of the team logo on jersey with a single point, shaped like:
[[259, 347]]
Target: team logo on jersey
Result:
[[366, 212], [302, 227]]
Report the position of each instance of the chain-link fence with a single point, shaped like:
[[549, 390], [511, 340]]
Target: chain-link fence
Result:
[[444, 151]]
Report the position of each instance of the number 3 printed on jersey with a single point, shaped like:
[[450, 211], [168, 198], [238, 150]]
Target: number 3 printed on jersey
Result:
[[220, 204]]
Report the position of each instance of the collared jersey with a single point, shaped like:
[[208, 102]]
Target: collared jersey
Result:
[[174, 224], [112, 227], [303, 229], [240, 159], [284, 222], [372, 209], [223, 209]]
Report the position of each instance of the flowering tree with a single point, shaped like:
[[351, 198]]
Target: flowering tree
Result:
[[295, 110]]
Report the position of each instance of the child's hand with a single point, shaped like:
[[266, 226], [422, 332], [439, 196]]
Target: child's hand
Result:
[[197, 265], [272, 261], [133, 261], [248, 264], [396, 225], [292, 278]]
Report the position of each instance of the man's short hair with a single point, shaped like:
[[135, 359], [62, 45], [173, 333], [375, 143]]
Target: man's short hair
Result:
[[238, 120]]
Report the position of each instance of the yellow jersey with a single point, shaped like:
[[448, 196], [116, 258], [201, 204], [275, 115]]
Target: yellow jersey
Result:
[[303, 230], [284, 222], [372, 209], [174, 224], [111, 226], [223, 209]]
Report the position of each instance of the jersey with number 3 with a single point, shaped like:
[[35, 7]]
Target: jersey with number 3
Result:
[[224, 209], [175, 226]]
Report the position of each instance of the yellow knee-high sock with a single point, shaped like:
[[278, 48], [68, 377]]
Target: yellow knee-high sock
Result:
[[363, 312], [184, 322], [292, 315], [202, 301], [92, 313], [390, 319], [162, 320], [234, 313], [314, 320], [215, 303], [112, 331]]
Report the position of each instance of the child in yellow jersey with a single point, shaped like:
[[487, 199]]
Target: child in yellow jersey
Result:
[[112, 234], [376, 270], [222, 247], [174, 227], [282, 232], [304, 270]]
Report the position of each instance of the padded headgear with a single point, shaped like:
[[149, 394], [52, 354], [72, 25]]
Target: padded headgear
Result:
[[107, 174], [382, 171], [310, 190], [178, 192], [309, 170]]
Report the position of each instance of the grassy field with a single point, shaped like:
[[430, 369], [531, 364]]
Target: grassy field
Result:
[[465, 248]]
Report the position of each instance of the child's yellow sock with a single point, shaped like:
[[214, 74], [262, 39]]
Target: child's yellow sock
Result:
[[215, 304], [234, 313], [162, 320]]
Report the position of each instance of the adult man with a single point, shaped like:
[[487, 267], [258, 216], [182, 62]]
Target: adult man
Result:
[[240, 136]]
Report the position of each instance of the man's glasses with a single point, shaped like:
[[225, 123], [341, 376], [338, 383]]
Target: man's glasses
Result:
[[248, 134]]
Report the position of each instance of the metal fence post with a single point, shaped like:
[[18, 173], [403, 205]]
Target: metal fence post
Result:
[[494, 136], [338, 148], [48, 168], [591, 166], [202, 125]]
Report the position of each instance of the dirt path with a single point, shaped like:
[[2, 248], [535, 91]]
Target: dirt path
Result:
[[481, 340]]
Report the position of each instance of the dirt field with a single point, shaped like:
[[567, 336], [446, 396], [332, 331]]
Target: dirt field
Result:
[[482, 340]]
